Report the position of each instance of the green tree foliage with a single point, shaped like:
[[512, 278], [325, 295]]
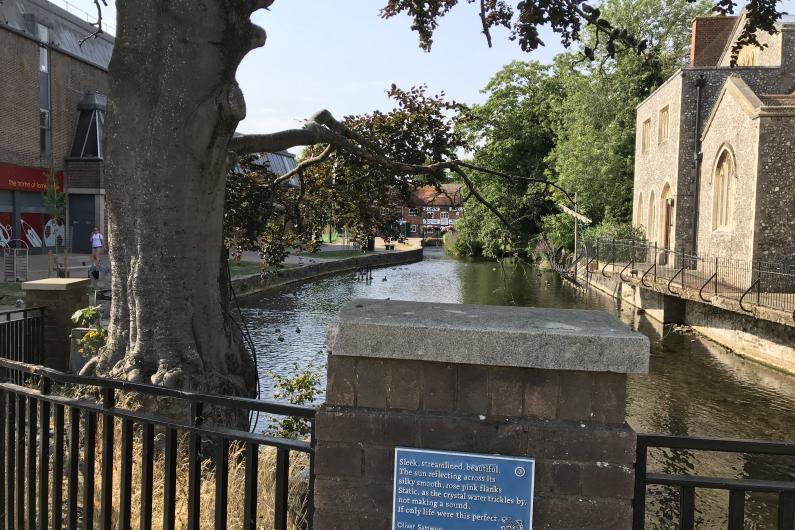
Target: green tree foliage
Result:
[[573, 123], [272, 214], [514, 133]]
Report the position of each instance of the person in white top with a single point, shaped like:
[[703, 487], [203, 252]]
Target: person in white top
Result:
[[97, 244]]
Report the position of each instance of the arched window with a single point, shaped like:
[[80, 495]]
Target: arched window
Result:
[[723, 190], [651, 230]]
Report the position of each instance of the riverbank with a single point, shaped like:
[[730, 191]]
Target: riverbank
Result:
[[256, 283], [758, 337]]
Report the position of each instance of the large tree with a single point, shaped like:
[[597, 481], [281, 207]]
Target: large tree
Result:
[[174, 105]]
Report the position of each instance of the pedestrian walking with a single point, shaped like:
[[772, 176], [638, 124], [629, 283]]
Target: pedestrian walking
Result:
[[97, 244]]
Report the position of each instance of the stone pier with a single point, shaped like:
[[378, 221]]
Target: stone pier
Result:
[[543, 383], [60, 297]]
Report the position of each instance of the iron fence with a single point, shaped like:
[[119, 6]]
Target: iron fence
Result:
[[761, 283], [185, 473], [687, 484], [22, 335]]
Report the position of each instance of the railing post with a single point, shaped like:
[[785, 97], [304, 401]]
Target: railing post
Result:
[[716, 276], [108, 426], [654, 261], [758, 282]]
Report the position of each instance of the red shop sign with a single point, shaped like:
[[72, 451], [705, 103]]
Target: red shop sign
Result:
[[26, 178]]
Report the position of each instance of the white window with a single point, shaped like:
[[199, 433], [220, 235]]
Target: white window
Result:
[[413, 229], [723, 191], [414, 211], [444, 215]]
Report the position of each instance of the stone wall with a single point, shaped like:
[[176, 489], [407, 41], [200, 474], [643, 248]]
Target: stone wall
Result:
[[755, 336], [658, 167], [256, 283], [731, 128], [548, 384], [775, 227]]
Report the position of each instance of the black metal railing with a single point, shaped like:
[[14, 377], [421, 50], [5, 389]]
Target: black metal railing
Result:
[[179, 473], [688, 484], [22, 335], [759, 283]]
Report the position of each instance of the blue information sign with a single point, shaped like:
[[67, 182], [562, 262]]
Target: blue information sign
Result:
[[440, 490]]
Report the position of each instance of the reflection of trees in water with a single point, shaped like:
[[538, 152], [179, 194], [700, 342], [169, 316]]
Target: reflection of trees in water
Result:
[[691, 390]]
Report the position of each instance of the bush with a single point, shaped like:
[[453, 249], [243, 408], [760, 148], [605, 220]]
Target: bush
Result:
[[300, 389], [613, 230], [96, 336]]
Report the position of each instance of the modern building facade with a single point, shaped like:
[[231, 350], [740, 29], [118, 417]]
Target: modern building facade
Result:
[[53, 98], [430, 211], [715, 148]]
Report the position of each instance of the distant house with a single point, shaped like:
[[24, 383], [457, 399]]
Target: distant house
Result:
[[715, 148], [430, 211]]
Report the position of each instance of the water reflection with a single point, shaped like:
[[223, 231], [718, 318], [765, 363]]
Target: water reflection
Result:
[[694, 387]]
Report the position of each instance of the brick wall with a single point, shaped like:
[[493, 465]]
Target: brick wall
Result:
[[85, 174], [19, 100], [571, 422], [19, 84], [64, 298]]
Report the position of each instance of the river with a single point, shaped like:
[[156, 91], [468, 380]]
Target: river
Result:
[[694, 387]]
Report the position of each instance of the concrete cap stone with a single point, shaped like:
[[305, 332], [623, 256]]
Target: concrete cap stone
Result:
[[55, 284], [551, 339]]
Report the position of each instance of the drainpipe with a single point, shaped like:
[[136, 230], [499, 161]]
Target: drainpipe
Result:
[[700, 82]]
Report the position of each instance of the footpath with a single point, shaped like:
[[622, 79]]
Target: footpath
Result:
[[331, 259], [247, 277]]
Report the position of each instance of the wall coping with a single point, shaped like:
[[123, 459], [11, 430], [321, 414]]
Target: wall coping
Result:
[[551, 339], [55, 284]]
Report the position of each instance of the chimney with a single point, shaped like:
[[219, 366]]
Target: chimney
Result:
[[708, 39]]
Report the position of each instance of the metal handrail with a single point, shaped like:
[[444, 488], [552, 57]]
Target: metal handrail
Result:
[[701, 291], [627, 266], [688, 483], [747, 291], [268, 407], [671, 281], [643, 278]]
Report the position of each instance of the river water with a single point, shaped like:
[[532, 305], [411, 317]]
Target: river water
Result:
[[694, 387]]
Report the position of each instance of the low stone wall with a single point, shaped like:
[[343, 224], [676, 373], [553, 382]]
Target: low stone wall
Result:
[[255, 283], [765, 336], [542, 383]]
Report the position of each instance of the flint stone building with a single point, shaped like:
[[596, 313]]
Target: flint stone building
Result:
[[715, 163]]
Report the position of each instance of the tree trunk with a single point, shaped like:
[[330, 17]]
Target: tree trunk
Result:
[[174, 105]]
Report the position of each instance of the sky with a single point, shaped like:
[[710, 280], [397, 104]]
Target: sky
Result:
[[321, 55]]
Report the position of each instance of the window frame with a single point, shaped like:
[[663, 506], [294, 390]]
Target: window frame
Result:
[[645, 136], [663, 124]]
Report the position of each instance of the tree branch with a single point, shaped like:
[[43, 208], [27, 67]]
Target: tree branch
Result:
[[302, 166], [98, 23]]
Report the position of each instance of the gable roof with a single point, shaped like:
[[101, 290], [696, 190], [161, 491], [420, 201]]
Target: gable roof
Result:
[[753, 105], [450, 195]]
